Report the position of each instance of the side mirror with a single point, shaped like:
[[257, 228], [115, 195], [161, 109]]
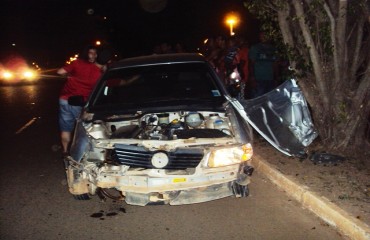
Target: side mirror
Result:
[[76, 101]]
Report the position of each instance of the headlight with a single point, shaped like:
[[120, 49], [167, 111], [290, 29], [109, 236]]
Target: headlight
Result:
[[29, 75], [7, 75], [230, 156]]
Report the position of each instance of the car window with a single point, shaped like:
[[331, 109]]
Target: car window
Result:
[[158, 83]]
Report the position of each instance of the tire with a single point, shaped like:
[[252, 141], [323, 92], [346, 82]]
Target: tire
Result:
[[82, 197]]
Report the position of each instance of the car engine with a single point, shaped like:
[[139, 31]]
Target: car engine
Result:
[[163, 126]]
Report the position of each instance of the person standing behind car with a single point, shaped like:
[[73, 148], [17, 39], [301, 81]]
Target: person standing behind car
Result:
[[105, 58], [231, 59], [263, 67], [83, 74], [243, 66]]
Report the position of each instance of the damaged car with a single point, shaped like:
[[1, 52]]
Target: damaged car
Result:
[[163, 129]]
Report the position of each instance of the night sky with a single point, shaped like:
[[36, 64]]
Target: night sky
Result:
[[50, 31]]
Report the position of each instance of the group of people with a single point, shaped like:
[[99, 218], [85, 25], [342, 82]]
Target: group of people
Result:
[[256, 66], [166, 48]]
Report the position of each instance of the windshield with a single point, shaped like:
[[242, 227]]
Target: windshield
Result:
[[165, 84]]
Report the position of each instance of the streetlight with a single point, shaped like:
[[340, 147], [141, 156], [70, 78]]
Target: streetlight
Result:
[[232, 20], [97, 43]]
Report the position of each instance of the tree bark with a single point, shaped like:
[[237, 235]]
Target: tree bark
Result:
[[361, 106], [316, 60], [283, 14], [333, 41], [354, 66], [341, 42]]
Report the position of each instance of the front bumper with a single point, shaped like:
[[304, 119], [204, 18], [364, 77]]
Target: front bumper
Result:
[[155, 187], [189, 196]]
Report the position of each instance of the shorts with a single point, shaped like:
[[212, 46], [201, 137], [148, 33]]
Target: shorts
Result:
[[67, 115]]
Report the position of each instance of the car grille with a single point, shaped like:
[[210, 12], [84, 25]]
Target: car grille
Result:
[[135, 156]]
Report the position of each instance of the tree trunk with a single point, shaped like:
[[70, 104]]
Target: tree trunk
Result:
[[328, 44], [358, 116]]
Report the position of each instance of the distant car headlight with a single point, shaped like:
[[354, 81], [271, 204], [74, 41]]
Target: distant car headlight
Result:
[[29, 75], [7, 75], [229, 156]]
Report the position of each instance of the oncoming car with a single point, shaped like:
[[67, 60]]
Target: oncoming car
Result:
[[162, 129], [17, 71]]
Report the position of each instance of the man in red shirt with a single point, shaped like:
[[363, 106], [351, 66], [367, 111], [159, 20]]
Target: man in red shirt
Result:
[[83, 74]]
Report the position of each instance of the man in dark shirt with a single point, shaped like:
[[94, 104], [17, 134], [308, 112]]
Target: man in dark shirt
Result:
[[263, 67]]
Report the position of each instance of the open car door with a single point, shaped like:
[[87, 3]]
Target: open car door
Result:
[[282, 117]]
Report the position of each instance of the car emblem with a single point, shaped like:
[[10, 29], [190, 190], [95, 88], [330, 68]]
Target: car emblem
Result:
[[160, 160]]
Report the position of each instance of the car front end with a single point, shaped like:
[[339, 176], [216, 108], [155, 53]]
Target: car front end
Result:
[[157, 134]]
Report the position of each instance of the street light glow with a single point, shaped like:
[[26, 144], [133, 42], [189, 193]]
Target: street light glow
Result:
[[98, 43], [232, 20]]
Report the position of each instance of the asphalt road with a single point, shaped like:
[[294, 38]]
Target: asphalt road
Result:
[[35, 203]]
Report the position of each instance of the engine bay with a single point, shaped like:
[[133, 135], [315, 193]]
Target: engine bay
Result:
[[163, 126]]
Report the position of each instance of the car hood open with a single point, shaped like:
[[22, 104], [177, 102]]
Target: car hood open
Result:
[[282, 117]]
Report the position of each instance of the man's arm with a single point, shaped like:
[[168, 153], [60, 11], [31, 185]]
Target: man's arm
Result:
[[68, 69]]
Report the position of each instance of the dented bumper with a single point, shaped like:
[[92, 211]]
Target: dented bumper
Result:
[[155, 188], [188, 196]]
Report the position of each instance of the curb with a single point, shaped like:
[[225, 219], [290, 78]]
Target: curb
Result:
[[321, 206]]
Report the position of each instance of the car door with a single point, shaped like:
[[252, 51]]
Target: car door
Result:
[[282, 117]]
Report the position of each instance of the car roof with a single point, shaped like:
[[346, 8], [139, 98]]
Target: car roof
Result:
[[158, 59]]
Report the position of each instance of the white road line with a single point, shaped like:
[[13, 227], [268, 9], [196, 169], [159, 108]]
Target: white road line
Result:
[[29, 123]]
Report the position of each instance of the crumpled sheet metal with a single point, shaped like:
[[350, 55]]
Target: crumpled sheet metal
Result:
[[282, 117]]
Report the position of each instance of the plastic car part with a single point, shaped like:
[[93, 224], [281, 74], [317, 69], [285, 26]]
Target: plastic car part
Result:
[[240, 190], [326, 158], [82, 197], [110, 193], [248, 170]]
